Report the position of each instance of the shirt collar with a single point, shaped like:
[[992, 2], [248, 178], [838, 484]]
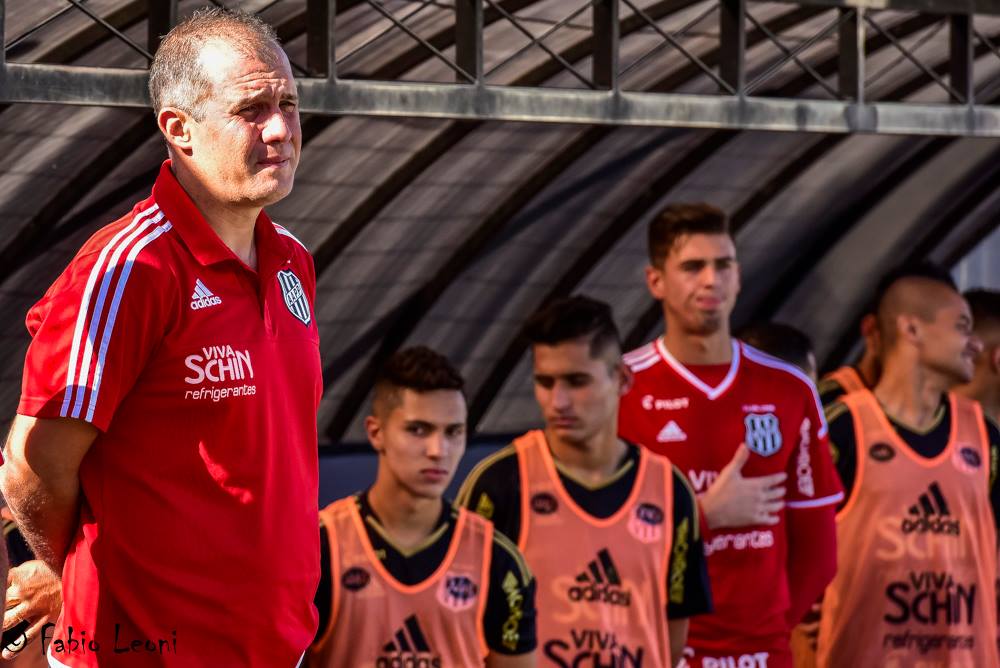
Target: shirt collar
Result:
[[199, 237]]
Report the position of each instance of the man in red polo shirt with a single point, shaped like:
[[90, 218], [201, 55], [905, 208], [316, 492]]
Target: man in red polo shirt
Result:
[[163, 458]]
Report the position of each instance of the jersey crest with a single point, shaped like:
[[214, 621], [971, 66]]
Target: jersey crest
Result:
[[295, 296], [763, 433]]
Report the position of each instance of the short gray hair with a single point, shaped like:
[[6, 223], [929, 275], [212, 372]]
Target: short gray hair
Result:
[[175, 78]]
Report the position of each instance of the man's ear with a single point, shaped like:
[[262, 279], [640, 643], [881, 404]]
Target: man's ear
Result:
[[995, 359], [373, 428], [175, 125], [627, 378], [908, 327], [654, 282]]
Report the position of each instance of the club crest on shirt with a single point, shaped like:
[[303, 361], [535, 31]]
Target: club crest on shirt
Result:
[[355, 579], [763, 433], [295, 296], [544, 503], [458, 592], [646, 523], [967, 459]]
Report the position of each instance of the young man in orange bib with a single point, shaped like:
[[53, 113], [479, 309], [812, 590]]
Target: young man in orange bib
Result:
[[610, 530], [860, 376], [985, 384], [916, 535], [408, 581]]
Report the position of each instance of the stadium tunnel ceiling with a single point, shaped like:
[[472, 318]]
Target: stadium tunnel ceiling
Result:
[[450, 233]]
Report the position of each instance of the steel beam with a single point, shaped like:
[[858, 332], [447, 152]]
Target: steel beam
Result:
[[606, 44], [851, 54], [61, 84], [938, 7], [962, 60], [127, 88], [321, 23], [162, 17], [733, 43], [469, 38]]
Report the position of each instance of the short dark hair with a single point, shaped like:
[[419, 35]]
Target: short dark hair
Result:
[[419, 369], [922, 269], [175, 77], [677, 220], [572, 318], [985, 306], [780, 340]]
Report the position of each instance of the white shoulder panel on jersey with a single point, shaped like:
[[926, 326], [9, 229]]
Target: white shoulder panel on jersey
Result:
[[762, 358], [641, 358], [285, 233]]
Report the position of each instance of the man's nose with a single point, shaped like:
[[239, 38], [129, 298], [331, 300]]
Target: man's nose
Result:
[[277, 128]]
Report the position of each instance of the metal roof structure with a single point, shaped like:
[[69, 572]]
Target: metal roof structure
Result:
[[451, 225]]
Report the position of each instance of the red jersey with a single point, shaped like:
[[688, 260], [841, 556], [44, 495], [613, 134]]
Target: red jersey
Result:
[[773, 408], [197, 542]]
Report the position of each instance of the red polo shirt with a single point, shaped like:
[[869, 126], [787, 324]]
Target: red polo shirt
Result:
[[197, 531]]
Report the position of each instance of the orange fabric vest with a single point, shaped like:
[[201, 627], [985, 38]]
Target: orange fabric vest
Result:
[[848, 378], [916, 548], [378, 622], [601, 595]]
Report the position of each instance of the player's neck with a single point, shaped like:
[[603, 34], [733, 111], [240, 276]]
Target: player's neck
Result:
[[695, 349], [867, 368], [911, 395], [593, 461], [234, 225], [408, 519]]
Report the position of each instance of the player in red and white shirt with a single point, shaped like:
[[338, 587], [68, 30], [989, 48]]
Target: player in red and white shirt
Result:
[[749, 432], [163, 458]]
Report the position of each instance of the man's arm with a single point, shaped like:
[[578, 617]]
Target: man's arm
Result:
[[688, 590], [40, 481], [811, 516], [993, 436], [812, 556], [509, 617], [505, 661], [677, 629]]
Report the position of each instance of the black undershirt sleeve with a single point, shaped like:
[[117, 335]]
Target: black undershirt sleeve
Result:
[[688, 591], [324, 592], [993, 435], [510, 616], [829, 391], [493, 490], [843, 446]]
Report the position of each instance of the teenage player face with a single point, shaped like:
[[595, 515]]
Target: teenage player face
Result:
[[421, 440], [947, 343], [578, 394], [246, 148], [697, 283]]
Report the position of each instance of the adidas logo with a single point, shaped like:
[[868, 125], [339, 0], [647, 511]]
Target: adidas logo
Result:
[[671, 433], [600, 583], [931, 514], [408, 648], [202, 297]]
